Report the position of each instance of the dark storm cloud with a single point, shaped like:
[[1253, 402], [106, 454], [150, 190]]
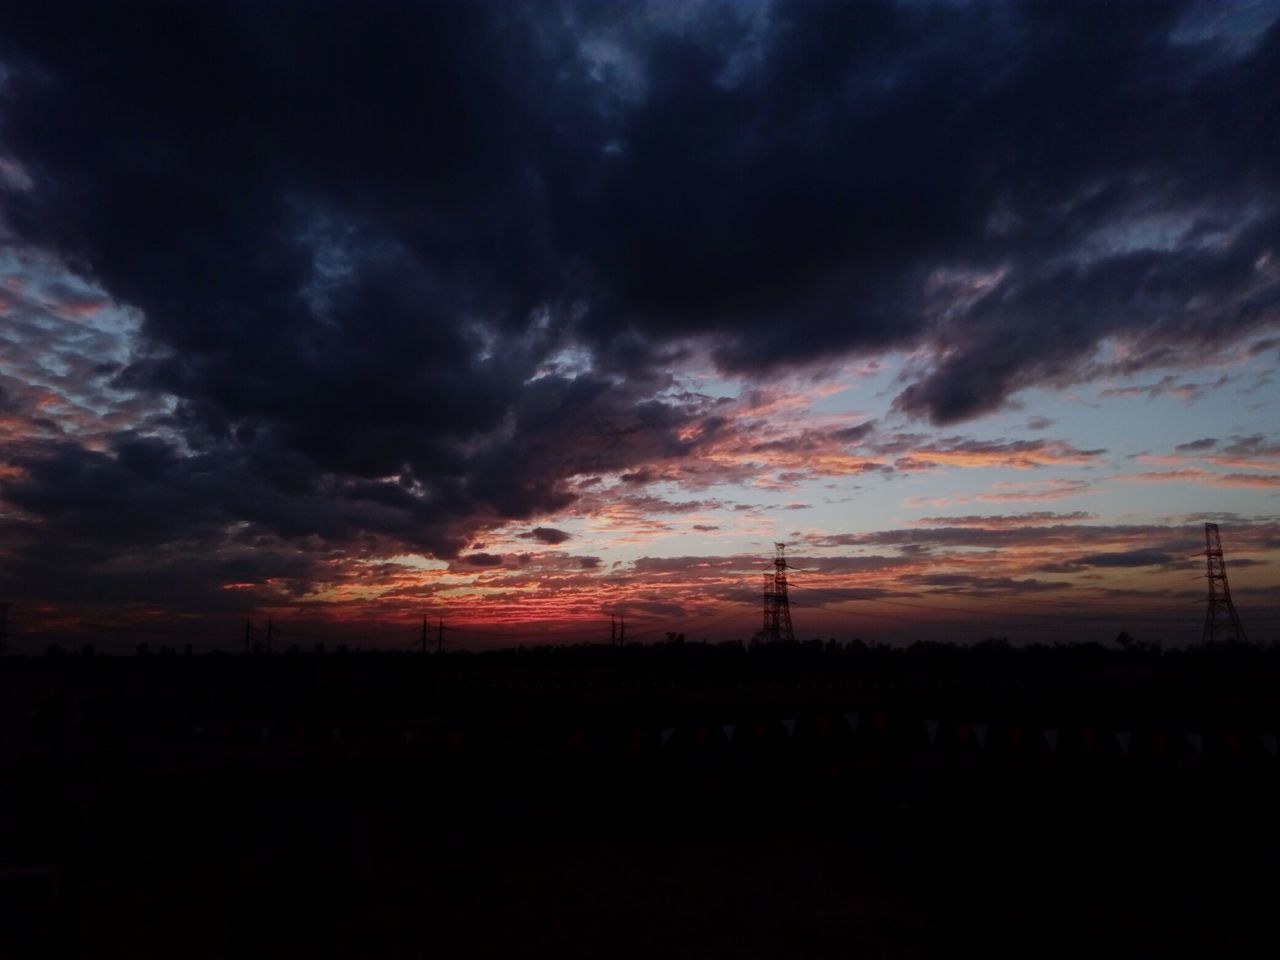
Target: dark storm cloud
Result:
[[407, 269], [646, 506], [968, 583], [815, 441], [693, 565], [1015, 535], [1256, 446], [143, 489], [1178, 545], [547, 535], [477, 560], [979, 177], [1259, 347], [1128, 558], [1169, 384], [1195, 446]]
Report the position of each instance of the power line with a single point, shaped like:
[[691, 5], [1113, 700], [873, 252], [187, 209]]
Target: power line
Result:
[[1220, 616], [777, 604]]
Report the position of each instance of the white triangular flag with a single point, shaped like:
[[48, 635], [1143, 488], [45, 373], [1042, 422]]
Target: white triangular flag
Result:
[[790, 724], [1122, 738], [932, 727], [1051, 738], [852, 720], [1196, 741], [1269, 742], [667, 734], [980, 731], [728, 729]]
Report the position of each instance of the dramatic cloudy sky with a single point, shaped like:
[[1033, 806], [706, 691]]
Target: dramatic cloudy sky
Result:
[[525, 315]]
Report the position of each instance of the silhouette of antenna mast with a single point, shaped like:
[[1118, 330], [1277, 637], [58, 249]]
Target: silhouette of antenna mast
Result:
[[777, 606], [1221, 617]]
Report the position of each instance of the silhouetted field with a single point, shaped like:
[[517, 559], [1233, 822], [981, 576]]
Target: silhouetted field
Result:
[[680, 800]]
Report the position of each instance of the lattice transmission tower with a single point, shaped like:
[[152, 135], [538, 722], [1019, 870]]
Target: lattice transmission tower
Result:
[[777, 606], [1220, 619]]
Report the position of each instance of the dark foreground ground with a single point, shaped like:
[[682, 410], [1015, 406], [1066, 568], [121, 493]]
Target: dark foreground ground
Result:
[[670, 803]]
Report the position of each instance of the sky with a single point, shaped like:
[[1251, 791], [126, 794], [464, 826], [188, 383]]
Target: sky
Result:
[[528, 316]]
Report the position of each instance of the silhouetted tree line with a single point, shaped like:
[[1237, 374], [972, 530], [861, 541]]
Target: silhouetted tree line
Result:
[[991, 650]]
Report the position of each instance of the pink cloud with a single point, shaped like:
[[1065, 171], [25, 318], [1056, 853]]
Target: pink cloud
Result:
[[1007, 492], [1205, 478]]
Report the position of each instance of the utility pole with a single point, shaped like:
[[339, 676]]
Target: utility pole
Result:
[[777, 605], [424, 635], [440, 636], [622, 633], [270, 631], [1221, 616], [248, 636], [613, 631]]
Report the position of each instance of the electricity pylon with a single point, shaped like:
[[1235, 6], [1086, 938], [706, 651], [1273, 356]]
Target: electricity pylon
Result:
[[777, 606], [1221, 617]]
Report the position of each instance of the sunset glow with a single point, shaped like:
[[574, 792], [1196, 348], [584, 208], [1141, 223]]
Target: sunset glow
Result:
[[571, 321]]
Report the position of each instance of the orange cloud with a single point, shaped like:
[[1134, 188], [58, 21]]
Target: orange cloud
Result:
[[1016, 454], [1006, 492]]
